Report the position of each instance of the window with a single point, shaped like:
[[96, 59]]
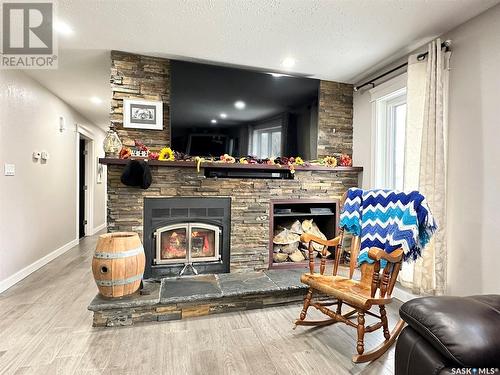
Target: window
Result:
[[389, 148], [267, 142]]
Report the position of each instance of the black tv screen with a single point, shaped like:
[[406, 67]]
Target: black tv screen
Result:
[[216, 110]]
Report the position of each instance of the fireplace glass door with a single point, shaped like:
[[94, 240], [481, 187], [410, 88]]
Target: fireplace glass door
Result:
[[187, 243]]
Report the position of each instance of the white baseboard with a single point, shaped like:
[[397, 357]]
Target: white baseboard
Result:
[[28, 270], [98, 228]]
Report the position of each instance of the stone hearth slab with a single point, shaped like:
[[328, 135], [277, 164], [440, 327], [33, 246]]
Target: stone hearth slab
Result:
[[245, 283], [188, 289], [287, 280], [185, 297], [149, 296]]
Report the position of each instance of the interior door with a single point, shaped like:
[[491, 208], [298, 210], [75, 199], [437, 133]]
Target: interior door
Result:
[[81, 190]]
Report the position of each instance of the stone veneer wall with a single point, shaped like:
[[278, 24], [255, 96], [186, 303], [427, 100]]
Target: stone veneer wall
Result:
[[138, 76], [335, 118], [249, 206]]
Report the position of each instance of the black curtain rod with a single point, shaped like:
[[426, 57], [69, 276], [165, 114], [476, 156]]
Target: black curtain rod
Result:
[[445, 45]]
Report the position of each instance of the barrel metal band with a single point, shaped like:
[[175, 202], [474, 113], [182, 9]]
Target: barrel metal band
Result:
[[119, 282], [123, 254]]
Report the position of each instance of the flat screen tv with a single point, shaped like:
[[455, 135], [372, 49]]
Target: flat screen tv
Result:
[[216, 110]]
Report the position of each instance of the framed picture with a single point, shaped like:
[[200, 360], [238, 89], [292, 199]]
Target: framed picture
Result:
[[142, 114]]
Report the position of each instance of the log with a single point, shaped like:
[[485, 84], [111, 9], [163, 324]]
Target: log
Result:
[[280, 257], [296, 256]]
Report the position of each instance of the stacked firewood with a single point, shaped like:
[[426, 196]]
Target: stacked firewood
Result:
[[287, 246]]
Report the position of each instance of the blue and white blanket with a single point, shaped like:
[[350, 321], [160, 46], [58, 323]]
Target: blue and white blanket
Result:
[[388, 219]]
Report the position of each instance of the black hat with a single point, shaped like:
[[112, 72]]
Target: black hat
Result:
[[137, 173]]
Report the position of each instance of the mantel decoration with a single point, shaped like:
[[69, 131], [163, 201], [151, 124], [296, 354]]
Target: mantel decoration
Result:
[[142, 114], [167, 154], [112, 144], [140, 150]]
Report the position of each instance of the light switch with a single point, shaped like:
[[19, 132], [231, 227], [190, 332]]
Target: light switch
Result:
[[62, 124], [10, 169]]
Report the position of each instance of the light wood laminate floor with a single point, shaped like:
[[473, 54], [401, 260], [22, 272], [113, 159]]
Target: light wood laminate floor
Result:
[[45, 328]]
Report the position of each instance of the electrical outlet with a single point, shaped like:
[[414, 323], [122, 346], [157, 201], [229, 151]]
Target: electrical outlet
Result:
[[9, 169]]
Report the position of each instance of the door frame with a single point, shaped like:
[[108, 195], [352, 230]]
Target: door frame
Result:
[[85, 133]]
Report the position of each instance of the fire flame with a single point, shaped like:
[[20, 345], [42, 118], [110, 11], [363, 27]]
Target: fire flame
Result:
[[173, 245]]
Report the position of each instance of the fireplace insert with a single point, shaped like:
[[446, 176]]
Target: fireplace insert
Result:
[[188, 242], [186, 235]]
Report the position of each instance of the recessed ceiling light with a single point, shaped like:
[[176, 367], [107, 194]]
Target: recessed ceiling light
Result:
[[288, 62], [223, 115], [96, 100], [213, 121], [277, 75], [240, 104], [63, 28]]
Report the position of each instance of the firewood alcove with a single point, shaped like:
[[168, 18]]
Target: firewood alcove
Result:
[[289, 218]]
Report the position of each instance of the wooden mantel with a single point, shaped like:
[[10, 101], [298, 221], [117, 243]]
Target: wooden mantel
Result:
[[192, 164]]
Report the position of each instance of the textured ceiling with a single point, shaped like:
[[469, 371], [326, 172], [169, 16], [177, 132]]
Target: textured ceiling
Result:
[[82, 74], [333, 40]]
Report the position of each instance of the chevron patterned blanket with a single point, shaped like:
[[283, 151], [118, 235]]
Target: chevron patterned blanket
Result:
[[388, 219]]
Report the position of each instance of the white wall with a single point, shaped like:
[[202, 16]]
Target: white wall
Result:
[[474, 154], [362, 135], [474, 157], [38, 205]]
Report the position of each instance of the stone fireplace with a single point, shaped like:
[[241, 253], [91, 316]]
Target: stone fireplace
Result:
[[218, 219], [249, 218], [186, 235]]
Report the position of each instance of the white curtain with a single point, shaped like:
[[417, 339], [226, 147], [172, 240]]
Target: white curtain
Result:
[[425, 161]]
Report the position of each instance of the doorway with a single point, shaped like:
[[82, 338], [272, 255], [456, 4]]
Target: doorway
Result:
[[82, 154], [85, 170]]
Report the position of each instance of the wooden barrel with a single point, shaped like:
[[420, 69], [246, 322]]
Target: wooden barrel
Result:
[[118, 263]]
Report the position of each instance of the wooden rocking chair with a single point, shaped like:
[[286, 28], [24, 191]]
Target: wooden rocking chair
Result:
[[373, 289]]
